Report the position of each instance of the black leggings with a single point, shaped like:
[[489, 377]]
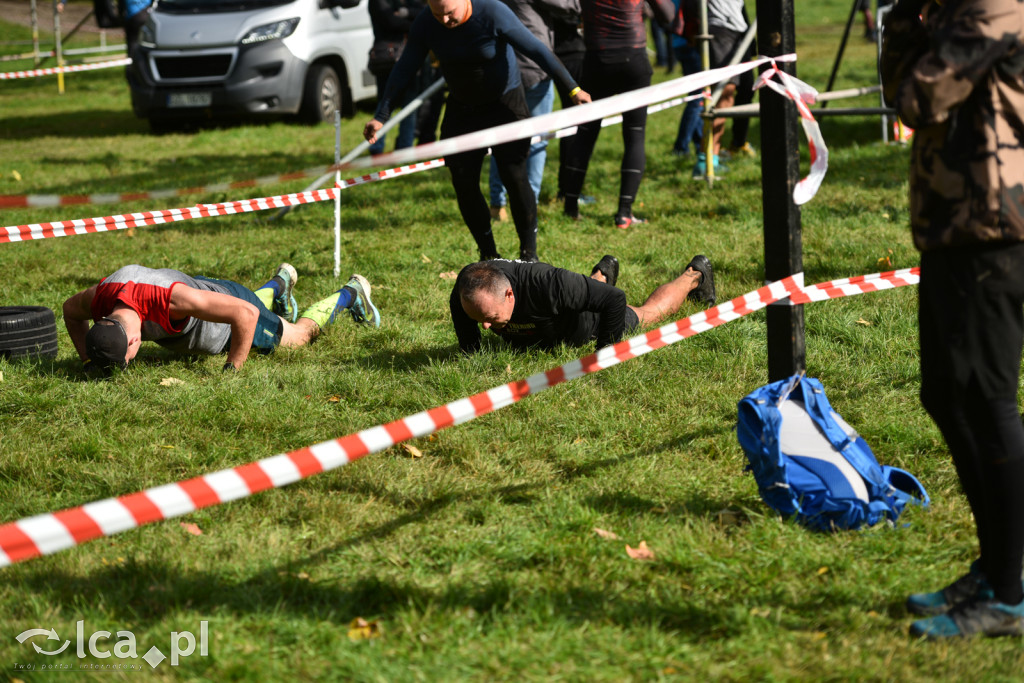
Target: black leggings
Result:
[[607, 73], [461, 118], [971, 322]]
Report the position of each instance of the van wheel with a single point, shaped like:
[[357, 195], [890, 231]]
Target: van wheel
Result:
[[27, 331], [322, 95]]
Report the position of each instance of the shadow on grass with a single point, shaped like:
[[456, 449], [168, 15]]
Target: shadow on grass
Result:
[[145, 592]]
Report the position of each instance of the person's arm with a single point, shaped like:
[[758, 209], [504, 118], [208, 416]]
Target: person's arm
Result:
[[930, 68], [215, 307], [521, 39], [77, 314], [663, 11], [466, 328], [413, 54]]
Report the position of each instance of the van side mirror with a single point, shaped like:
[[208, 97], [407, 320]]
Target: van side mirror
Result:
[[344, 4]]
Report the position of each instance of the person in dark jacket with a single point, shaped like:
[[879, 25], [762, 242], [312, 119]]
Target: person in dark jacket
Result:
[[954, 71], [473, 40], [539, 305]]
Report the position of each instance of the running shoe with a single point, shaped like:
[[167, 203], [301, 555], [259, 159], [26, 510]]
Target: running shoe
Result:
[[609, 265], [625, 222], [974, 616], [971, 585], [284, 303], [705, 291], [362, 309]]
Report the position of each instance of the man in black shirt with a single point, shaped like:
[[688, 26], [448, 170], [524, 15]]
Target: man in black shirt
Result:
[[535, 304]]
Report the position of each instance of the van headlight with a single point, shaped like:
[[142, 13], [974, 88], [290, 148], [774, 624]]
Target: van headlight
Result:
[[147, 36], [275, 31]]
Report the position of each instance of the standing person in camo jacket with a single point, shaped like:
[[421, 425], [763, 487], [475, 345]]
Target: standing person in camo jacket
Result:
[[955, 73]]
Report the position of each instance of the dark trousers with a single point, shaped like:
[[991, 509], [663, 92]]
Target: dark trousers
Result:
[[607, 73], [461, 118], [971, 322], [573, 63]]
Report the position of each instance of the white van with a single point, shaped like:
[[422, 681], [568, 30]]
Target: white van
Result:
[[207, 59]]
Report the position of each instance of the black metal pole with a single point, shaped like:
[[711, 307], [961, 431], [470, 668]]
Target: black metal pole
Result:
[[780, 171]]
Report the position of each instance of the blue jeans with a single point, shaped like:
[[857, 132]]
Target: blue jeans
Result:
[[690, 125], [540, 99]]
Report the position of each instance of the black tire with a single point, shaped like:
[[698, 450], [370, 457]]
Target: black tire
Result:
[[322, 95], [27, 332]]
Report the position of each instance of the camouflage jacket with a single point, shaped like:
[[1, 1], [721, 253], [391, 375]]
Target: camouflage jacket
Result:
[[957, 78]]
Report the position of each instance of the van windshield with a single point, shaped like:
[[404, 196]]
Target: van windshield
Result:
[[211, 6]]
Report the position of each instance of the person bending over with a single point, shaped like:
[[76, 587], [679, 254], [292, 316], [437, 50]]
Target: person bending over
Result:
[[199, 315], [473, 40], [539, 305]]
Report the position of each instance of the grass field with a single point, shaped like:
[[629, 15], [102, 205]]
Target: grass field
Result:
[[479, 560]]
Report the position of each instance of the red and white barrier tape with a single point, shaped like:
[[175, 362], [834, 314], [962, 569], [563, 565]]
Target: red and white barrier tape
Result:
[[50, 533], [25, 201], [37, 231], [801, 95], [11, 75], [22, 201]]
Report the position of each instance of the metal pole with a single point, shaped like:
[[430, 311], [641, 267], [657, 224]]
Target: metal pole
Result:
[[337, 195], [59, 48], [842, 45], [35, 33], [780, 172], [709, 124]]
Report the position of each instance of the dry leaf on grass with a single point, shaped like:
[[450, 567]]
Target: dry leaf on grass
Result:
[[424, 258], [641, 552], [822, 570], [864, 322], [361, 629], [727, 517], [412, 450], [171, 381], [448, 275], [334, 399], [610, 535], [192, 528]]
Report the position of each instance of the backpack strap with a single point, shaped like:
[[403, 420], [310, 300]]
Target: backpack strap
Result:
[[905, 486]]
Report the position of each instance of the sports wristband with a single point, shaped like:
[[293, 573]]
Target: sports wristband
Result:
[[572, 93]]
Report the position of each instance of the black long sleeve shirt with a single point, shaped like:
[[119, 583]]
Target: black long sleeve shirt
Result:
[[551, 307]]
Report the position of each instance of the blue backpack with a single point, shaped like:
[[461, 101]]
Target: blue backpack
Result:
[[809, 463]]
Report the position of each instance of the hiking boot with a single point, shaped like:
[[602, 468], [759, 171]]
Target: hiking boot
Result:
[[284, 303], [624, 222], [362, 309], [609, 267], [974, 616], [705, 291], [971, 585]]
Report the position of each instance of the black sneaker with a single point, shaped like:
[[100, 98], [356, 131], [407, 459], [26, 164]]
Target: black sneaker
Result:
[[973, 617], [971, 585], [705, 292], [529, 257], [609, 266]]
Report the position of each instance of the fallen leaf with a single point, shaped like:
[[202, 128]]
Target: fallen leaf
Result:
[[885, 262], [192, 528], [424, 258], [16, 176], [760, 612], [171, 381], [641, 552], [412, 450], [610, 535], [1, 377], [165, 447], [302, 575], [822, 570], [864, 322], [361, 629], [508, 369], [819, 635], [334, 399], [449, 275]]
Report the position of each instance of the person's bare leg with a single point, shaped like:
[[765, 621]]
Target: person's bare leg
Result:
[[718, 128], [300, 333], [667, 299]]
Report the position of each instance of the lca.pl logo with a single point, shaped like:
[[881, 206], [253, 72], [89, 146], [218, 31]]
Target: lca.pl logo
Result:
[[182, 644]]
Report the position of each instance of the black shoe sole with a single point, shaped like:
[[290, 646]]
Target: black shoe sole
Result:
[[705, 292], [609, 266]]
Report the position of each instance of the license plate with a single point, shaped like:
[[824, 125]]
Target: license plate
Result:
[[180, 100]]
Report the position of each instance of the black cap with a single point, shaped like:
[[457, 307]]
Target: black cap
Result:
[[106, 344]]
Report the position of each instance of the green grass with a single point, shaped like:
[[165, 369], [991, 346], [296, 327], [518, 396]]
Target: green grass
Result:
[[478, 560]]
